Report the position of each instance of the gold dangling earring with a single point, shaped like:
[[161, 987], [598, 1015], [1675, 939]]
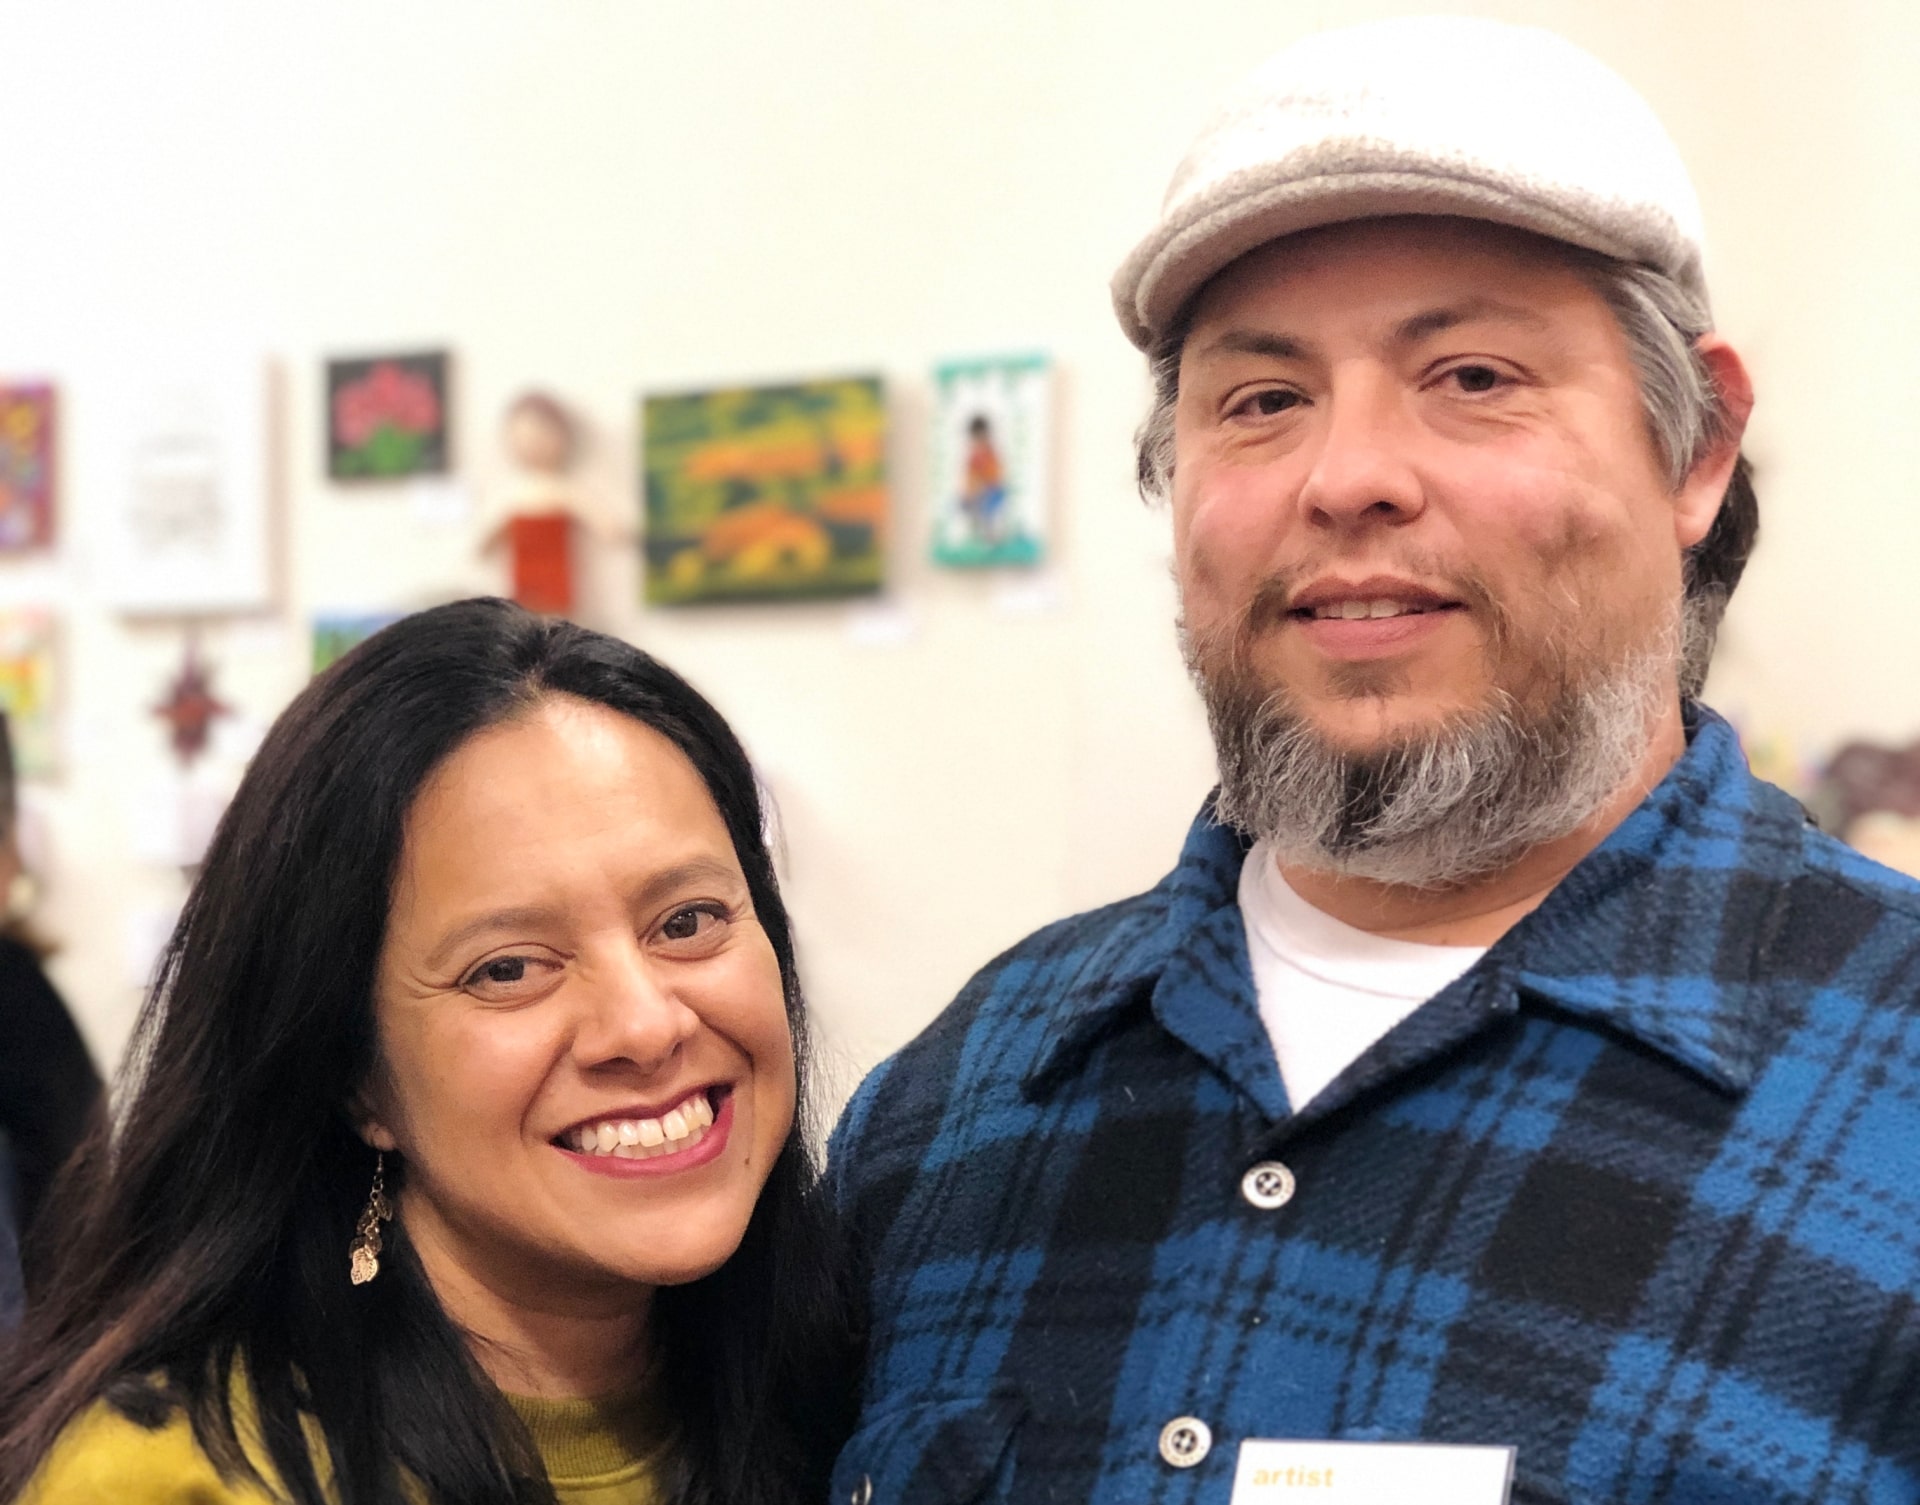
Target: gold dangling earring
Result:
[[364, 1252]]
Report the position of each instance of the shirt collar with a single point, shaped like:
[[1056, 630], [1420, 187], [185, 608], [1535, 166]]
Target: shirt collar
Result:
[[1127, 960], [1668, 872], [1662, 930]]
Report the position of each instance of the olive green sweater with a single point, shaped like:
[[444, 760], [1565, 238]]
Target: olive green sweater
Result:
[[597, 1453]]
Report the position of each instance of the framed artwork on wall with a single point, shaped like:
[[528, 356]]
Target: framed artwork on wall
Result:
[[26, 466], [387, 417], [765, 493], [29, 687], [337, 633], [188, 530], [992, 438]]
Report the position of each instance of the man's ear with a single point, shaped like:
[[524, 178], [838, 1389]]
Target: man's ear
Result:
[[1698, 501]]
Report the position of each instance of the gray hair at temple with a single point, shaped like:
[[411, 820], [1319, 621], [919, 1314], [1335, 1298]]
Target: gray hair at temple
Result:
[[1685, 415]]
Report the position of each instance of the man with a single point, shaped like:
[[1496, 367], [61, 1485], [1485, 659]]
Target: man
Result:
[[1502, 1066]]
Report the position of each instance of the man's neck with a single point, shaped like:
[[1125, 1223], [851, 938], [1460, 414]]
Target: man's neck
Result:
[[1479, 913]]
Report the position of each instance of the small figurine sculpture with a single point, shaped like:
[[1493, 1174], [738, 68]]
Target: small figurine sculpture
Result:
[[540, 508]]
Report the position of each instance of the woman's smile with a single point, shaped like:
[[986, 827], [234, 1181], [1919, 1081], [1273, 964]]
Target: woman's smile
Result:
[[691, 1133]]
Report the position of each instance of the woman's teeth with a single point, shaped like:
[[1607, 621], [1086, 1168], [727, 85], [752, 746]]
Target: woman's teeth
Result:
[[642, 1138]]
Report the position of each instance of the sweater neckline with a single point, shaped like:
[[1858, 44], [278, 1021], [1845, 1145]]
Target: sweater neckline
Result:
[[592, 1440]]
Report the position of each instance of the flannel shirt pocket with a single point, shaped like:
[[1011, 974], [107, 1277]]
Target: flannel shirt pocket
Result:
[[931, 1452]]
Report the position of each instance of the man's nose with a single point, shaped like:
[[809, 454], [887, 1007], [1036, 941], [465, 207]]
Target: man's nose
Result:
[[1363, 471]]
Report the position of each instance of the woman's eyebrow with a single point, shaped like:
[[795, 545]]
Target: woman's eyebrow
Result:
[[495, 919], [533, 916], [694, 870]]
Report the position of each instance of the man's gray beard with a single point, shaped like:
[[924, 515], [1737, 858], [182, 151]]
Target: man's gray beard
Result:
[[1446, 804]]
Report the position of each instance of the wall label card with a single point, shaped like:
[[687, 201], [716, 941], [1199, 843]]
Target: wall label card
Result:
[[1371, 1473]]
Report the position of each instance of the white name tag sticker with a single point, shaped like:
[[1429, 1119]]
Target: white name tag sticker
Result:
[[1370, 1473]]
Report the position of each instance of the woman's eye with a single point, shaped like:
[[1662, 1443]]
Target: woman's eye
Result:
[[509, 975], [1475, 378], [1269, 403], [686, 924]]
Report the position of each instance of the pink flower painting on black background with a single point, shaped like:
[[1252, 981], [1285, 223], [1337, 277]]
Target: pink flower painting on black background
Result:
[[387, 416]]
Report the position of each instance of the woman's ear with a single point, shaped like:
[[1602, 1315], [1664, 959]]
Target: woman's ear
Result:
[[367, 1112], [375, 1134]]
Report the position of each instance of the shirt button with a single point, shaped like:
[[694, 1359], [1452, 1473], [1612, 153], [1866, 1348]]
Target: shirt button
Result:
[[862, 1492], [1268, 1185], [1185, 1440]]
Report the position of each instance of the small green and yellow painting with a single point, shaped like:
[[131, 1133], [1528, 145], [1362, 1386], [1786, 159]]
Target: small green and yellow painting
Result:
[[765, 493]]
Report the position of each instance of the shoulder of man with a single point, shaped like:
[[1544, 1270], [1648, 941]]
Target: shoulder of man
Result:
[[977, 1050], [1832, 857], [1845, 889]]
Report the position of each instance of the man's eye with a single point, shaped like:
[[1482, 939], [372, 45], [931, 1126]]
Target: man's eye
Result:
[[1270, 403], [1475, 378]]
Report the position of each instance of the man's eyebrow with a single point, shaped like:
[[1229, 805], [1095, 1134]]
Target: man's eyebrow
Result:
[[1279, 347], [1409, 331], [1432, 321]]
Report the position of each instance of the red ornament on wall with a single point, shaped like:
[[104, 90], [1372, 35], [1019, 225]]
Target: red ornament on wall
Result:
[[191, 707]]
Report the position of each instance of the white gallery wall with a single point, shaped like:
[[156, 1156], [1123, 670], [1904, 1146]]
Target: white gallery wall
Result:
[[606, 197]]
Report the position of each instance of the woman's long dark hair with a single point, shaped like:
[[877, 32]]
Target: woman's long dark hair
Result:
[[215, 1225]]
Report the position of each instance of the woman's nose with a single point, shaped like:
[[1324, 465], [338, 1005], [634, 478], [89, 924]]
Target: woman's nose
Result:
[[631, 1013]]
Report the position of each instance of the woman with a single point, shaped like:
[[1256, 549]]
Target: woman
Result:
[[459, 1157]]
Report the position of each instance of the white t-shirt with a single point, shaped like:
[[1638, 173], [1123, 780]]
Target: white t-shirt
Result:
[[1327, 991]]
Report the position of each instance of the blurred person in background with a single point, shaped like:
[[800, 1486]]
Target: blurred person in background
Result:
[[463, 1155], [11, 1296], [49, 1089], [1503, 1066]]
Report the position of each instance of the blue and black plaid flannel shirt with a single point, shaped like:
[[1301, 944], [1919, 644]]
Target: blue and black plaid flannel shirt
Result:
[[1638, 1195]]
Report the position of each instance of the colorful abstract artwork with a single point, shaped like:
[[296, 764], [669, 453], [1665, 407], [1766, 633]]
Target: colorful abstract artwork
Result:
[[334, 635], [992, 440], [765, 493], [28, 689], [387, 417], [26, 467]]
